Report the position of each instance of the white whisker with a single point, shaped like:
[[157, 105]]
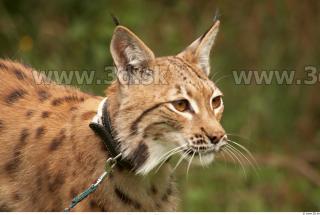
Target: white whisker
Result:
[[212, 77], [236, 135], [200, 157], [230, 156], [168, 154], [190, 163], [240, 162], [181, 159], [172, 150], [248, 160], [247, 151], [224, 157], [221, 78]]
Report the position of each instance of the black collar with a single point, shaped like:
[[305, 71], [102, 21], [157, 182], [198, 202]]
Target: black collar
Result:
[[101, 125]]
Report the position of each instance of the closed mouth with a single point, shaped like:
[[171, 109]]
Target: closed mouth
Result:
[[196, 151], [202, 150]]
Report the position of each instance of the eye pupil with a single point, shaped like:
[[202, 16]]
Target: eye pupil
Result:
[[216, 102]]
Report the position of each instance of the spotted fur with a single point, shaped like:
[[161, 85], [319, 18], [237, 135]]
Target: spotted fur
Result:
[[49, 154]]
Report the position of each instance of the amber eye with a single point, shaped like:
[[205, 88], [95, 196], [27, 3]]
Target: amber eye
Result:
[[216, 102], [181, 105]]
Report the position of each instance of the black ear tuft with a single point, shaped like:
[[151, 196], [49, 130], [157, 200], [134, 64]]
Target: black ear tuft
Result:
[[217, 15], [115, 19]]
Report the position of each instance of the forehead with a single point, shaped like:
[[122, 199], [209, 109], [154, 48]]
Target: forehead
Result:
[[184, 76]]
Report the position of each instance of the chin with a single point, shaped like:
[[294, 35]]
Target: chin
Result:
[[204, 160]]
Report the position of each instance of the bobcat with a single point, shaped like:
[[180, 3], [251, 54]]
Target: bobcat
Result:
[[49, 154]]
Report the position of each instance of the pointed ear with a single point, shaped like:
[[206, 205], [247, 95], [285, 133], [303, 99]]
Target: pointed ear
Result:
[[199, 51], [128, 50]]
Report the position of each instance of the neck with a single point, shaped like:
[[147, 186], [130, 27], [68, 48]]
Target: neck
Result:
[[117, 193]]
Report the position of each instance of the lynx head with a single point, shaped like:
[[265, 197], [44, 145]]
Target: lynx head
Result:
[[165, 105]]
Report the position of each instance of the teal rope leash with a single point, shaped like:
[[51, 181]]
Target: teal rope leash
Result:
[[111, 162]]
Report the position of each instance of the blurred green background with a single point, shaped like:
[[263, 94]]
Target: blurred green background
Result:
[[279, 124]]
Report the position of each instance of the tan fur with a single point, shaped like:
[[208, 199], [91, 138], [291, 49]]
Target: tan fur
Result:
[[49, 154]]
